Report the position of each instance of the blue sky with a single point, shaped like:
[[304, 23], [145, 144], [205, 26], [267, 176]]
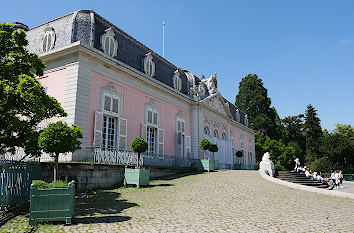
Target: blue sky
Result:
[[303, 50]]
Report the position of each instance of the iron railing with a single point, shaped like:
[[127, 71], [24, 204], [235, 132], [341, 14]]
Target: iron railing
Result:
[[16, 178], [129, 158]]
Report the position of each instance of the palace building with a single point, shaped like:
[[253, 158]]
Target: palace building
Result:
[[115, 88]]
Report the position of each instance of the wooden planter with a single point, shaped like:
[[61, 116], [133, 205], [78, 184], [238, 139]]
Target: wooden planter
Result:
[[55, 204], [137, 176], [206, 165]]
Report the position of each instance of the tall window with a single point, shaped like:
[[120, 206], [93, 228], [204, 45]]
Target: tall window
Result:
[[151, 139], [109, 132], [241, 142], [206, 131], [223, 136], [180, 134], [216, 134]]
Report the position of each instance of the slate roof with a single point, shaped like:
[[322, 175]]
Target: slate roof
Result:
[[87, 27]]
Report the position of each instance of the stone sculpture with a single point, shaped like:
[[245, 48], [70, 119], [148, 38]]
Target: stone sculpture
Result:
[[266, 165]]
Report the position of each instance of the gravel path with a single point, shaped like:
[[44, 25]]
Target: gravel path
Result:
[[223, 201]]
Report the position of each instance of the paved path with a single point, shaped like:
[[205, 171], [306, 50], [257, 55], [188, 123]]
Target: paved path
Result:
[[224, 201]]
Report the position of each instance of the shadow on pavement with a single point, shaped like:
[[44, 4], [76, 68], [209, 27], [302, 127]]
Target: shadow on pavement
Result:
[[102, 206]]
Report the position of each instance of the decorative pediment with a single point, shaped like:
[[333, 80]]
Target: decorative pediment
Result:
[[215, 102]]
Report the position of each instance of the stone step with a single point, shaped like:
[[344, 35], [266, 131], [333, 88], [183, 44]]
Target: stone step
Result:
[[297, 178]]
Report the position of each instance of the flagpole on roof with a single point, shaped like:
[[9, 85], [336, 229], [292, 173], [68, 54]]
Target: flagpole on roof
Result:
[[163, 38]]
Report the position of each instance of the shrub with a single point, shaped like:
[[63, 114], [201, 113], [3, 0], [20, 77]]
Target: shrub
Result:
[[239, 153], [204, 144], [139, 145], [40, 184], [214, 148]]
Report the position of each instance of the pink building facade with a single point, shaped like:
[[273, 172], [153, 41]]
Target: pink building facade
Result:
[[115, 88]]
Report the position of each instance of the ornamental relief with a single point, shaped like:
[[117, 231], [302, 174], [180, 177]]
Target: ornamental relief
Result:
[[215, 104]]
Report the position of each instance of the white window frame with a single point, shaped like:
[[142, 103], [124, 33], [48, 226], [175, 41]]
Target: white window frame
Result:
[[215, 132], [155, 114], [177, 81], [109, 36], [181, 130], [48, 33], [223, 136], [149, 65]]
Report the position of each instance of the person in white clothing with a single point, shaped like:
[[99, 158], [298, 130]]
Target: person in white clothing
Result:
[[297, 163], [337, 179]]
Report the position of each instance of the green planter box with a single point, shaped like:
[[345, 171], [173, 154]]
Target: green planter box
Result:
[[137, 176], [206, 165], [55, 204], [237, 166]]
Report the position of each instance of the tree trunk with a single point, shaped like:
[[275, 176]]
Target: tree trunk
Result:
[[137, 162], [56, 167]]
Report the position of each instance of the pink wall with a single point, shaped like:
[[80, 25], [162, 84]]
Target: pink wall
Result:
[[54, 82], [132, 109]]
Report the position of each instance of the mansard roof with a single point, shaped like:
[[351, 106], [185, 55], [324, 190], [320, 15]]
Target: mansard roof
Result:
[[87, 27]]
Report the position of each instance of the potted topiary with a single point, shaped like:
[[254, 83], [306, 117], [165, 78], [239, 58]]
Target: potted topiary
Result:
[[238, 154], [55, 201], [214, 148], [51, 202], [205, 164], [138, 176]]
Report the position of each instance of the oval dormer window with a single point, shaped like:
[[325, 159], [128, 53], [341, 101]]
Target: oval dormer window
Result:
[[108, 43], [177, 81], [149, 65], [48, 40]]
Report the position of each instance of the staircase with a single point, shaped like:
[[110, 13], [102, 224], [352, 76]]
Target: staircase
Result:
[[298, 178]]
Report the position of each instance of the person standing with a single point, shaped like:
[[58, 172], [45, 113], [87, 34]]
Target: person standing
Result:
[[341, 179], [333, 179], [297, 163]]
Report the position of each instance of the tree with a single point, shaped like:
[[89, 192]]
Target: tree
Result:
[[292, 134], [252, 98], [204, 144], [23, 100], [139, 145], [213, 148], [281, 155], [337, 150], [59, 138], [313, 133]]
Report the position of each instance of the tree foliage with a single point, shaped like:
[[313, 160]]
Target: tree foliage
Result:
[[204, 144], [139, 145], [59, 138], [253, 99], [282, 155], [23, 100], [313, 131], [213, 148]]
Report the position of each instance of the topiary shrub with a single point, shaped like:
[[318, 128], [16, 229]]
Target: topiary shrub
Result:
[[213, 148], [204, 144], [239, 153], [139, 145], [58, 138]]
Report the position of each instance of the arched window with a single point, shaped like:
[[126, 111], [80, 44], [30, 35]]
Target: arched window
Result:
[[149, 65], [241, 142], [108, 43], [177, 81], [48, 40], [223, 136], [206, 130], [216, 134]]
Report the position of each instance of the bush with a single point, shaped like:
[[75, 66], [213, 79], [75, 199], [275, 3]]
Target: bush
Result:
[[40, 184], [139, 145], [214, 148], [239, 153], [204, 144]]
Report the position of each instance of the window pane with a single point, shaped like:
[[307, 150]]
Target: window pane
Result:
[[150, 117], [111, 47], [107, 103], [45, 43], [106, 46], [178, 125], [182, 129], [155, 118], [115, 105]]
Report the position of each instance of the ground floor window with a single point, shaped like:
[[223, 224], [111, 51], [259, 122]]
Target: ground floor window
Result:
[[109, 126], [151, 139]]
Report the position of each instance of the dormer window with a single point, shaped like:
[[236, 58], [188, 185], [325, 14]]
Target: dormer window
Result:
[[149, 65], [48, 40], [109, 44], [177, 81]]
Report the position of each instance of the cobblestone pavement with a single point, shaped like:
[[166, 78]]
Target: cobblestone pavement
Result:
[[223, 201]]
